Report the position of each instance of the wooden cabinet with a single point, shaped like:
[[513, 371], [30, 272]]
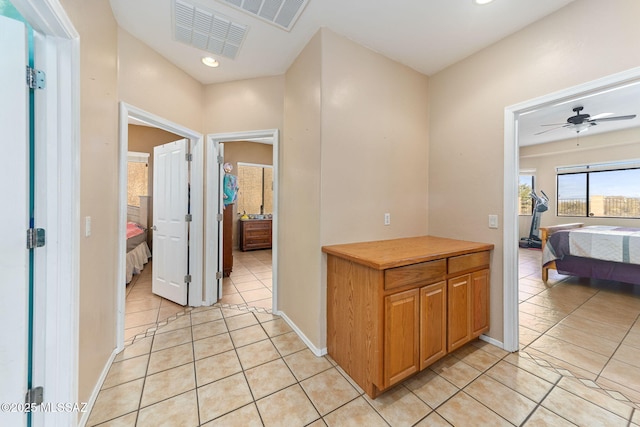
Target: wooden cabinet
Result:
[[468, 303], [401, 336], [479, 303], [433, 323], [254, 234], [394, 307]]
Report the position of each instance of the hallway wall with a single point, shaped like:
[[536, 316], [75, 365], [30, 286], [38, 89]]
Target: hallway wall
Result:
[[98, 187]]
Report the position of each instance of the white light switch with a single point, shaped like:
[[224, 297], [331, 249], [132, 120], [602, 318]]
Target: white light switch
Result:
[[87, 226], [387, 219], [493, 221]]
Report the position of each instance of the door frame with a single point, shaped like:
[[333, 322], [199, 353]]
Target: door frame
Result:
[[213, 200], [511, 170], [197, 184], [57, 175]]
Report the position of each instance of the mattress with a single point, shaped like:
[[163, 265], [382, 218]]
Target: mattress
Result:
[[136, 234]]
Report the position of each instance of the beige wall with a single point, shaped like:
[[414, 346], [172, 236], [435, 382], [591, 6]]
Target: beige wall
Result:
[[355, 148], [98, 187], [374, 145], [244, 105], [148, 81], [245, 152], [299, 290], [467, 102], [599, 148]]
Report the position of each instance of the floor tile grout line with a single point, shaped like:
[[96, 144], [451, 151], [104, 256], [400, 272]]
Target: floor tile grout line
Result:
[[616, 350], [579, 377], [539, 404]]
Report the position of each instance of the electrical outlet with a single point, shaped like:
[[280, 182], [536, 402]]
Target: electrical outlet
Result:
[[493, 221], [387, 219]]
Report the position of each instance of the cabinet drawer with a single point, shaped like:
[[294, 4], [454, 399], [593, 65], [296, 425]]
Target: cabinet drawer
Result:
[[256, 234], [419, 274], [259, 241], [260, 225], [468, 262]]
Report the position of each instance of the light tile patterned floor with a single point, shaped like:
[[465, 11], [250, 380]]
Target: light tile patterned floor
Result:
[[221, 366], [249, 284], [588, 328]]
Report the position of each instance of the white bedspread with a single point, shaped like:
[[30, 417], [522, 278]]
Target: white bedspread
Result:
[[607, 243], [136, 259]]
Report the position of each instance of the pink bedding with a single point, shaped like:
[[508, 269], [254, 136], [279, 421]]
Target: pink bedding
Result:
[[134, 229]]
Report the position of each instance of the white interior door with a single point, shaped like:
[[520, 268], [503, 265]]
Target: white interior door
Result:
[[170, 227], [14, 215], [220, 206]]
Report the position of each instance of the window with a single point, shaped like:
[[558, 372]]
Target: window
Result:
[[602, 191], [255, 192], [137, 177], [525, 188]]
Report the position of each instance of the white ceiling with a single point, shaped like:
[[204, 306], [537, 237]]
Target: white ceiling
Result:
[[618, 101], [427, 35]]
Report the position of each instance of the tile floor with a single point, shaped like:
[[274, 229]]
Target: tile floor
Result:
[[242, 366], [250, 282], [248, 285], [587, 327]]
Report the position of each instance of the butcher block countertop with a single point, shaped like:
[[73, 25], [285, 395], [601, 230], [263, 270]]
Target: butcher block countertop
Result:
[[385, 254]]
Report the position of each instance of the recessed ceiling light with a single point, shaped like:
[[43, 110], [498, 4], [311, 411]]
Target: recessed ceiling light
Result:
[[482, 1], [210, 62]]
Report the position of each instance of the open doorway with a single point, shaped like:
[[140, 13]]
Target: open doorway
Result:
[[513, 122], [248, 226], [165, 131], [254, 271], [143, 308]]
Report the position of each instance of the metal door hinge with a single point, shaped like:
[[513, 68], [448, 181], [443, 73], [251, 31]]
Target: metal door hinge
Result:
[[36, 79], [220, 160], [219, 217], [34, 396], [188, 157], [218, 275], [35, 238], [187, 278], [188, 217]]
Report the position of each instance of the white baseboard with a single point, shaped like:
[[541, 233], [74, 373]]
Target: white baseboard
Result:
[[317, 351], [492, 341], [96, 389]]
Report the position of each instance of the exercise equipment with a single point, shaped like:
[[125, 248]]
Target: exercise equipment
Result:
[[540, 204]]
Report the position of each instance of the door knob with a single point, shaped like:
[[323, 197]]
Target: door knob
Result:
[[154, 228]]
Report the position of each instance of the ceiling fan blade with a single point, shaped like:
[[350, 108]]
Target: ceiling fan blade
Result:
[[611, 119], [599, 116], [549, 130], [553, 124]]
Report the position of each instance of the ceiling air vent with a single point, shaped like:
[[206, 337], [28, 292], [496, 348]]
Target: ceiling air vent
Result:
[[207, 30], [282, 13]]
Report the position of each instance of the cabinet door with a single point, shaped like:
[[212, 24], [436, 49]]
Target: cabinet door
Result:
[[433, 323], [458, 311], [401, 331], [479, 303]]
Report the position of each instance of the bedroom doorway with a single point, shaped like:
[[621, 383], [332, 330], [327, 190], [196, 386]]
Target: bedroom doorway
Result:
[[149, 308], [262, 262], [511, 340]]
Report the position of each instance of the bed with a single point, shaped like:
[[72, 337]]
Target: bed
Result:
[[138, 252], [599, 252]]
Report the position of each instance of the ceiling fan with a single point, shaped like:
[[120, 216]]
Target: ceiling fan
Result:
[[582, 122]]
